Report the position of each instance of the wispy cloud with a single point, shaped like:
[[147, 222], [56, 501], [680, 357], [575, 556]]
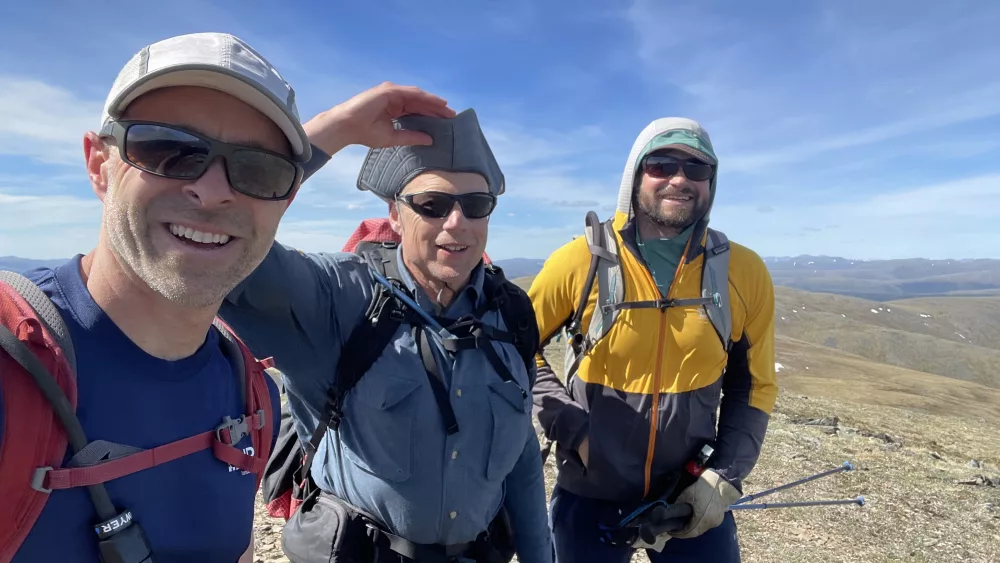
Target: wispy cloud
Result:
[[881, 225], [44, 122]]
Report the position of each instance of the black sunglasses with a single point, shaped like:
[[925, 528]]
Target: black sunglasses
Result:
[[662, 166], [172, 152], [437, 205]]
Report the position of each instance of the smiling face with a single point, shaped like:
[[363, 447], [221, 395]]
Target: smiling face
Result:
[[673, 202], [441, 250], [190, 241]]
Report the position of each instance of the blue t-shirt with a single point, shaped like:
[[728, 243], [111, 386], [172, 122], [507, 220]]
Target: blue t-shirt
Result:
[[195, 508]]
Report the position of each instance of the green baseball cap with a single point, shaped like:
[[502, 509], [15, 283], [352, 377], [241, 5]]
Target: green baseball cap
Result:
[[685, 141]]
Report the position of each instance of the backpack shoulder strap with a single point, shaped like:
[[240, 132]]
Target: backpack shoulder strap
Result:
[[517, 311], [715, 285], [366, 342], [605, 269], [39, 381], [259, 418]]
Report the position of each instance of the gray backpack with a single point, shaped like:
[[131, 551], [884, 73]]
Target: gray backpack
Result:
[[606, 269]]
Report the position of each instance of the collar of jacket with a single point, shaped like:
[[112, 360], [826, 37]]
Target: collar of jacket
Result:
[[626, 230]]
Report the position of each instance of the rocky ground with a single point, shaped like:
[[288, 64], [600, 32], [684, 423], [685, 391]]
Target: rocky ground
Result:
[[931, 485]]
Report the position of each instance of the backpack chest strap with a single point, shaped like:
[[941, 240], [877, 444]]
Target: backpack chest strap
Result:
[[662, 303], [221, 441]]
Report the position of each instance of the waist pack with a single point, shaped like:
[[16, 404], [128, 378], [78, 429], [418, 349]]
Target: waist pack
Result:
[[328, 529], [38, 367]]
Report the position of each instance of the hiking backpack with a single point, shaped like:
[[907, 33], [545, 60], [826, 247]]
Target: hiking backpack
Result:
[[39, 408], [606, 270], [286, 478]]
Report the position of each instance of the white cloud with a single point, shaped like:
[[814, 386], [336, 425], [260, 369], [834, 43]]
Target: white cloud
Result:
[[818, 80], [326, 235], [50, 226], [43, 121], [938, 220]]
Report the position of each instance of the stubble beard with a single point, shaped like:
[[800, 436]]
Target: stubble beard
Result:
[[186, 283]]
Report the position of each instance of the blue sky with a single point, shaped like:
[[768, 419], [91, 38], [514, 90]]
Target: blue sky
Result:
[[850, 128]]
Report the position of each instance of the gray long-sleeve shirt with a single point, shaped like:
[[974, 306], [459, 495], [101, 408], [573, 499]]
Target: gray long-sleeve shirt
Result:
[[393, 457]]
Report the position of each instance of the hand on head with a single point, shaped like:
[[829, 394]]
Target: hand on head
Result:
[[367, 118]]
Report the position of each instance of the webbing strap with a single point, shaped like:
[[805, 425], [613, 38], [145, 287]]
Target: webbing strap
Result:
[[145, 459], [436, 381], [658, 304]]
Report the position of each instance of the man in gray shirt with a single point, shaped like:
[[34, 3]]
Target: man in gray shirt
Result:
[[434, 445]]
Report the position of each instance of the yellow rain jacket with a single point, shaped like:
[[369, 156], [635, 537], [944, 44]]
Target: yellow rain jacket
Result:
[[647, 393]]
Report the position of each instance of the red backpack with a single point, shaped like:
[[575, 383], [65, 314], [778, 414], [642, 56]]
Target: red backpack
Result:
[[38, 378]]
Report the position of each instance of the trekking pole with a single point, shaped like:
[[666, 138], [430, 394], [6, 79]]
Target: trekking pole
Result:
[[845, 467], [860, 501], [442, 332]]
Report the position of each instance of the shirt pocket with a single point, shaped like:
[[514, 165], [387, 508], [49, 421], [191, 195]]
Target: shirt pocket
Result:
[[511, 412], [378, 426]]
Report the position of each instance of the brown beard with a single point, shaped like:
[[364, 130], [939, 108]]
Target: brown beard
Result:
[[677, 221]]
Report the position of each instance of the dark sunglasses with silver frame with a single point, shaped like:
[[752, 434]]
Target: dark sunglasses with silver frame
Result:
[[437, 205], [173, 152]]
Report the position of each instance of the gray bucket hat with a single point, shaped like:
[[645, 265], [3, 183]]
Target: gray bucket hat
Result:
[[459, 146]]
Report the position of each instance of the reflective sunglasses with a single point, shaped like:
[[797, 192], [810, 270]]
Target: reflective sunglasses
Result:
[[437, 205], [171, 152], [662, 166]]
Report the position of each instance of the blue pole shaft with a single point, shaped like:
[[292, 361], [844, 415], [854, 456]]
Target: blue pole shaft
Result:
[[860, 501], [845, 467]]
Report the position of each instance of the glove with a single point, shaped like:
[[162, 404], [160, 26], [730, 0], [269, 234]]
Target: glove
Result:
[[661, 542], [709, 497]]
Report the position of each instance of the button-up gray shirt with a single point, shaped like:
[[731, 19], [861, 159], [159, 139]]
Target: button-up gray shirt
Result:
[[392, 457]]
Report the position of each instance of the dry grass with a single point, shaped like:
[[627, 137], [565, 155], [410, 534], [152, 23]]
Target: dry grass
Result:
[[911, 437], [907, 465]]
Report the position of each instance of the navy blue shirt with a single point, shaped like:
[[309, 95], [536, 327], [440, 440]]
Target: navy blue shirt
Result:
[[196, 508]]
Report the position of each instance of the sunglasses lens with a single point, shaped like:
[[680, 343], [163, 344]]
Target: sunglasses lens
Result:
[[478, 205], [261, 175], [698, 171], [660, 167], [166, 151], [433, 205]]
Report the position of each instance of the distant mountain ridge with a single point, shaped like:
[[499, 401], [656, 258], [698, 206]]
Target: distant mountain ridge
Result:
[[878, 280], [21, 265]]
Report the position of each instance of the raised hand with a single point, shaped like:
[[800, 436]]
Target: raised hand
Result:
[[366, 119]]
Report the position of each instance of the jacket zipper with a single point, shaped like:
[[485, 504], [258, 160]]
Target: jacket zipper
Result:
[[661, 337]]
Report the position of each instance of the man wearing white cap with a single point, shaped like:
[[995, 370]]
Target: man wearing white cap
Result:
[[199, 153]]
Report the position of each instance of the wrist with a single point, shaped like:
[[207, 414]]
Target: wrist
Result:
[[328, 131]]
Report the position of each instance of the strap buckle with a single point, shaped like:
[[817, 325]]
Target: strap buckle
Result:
[[38, 479], [232, 431]]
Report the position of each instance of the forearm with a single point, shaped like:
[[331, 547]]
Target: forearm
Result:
[[743, 419], [525, 502], [562, 419]]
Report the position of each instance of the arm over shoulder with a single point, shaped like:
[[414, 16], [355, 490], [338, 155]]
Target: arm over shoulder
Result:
[[298, 308]]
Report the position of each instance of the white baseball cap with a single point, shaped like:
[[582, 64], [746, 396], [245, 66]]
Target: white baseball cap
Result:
[[211, 60]]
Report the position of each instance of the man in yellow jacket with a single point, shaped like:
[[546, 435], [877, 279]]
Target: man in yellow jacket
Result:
[[670, 344]]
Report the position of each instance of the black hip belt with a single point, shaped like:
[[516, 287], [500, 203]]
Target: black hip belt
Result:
[[327, 528]]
